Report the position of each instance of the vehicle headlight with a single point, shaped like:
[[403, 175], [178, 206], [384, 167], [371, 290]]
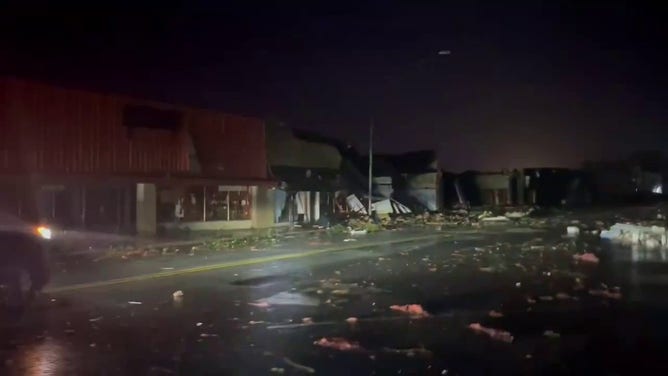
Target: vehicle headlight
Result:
[[43, 232]]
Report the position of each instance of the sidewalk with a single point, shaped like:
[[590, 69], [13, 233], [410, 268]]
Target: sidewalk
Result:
[[79, 243], [90, 274]]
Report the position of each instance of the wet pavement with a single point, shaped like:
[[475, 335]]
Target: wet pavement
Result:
[[565, 317]]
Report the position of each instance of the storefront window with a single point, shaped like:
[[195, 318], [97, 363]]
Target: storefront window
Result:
[[239, 202], [220, 203]]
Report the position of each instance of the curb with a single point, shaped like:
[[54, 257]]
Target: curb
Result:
[[231, 264]]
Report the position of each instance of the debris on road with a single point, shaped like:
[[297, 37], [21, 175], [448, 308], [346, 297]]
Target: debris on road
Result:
[[497, 334], [277, 370], [551, 334], [412, 352], [352, 320], [586, 257], [208, 335], [562, 296], [338, 343], [288, 298], [177, 294], [572, 231], [495, 314], [260, 304], [133, 302], [607, 293], [297, 366], [649, 236], [414, 310], [499, 218], [95, 319]]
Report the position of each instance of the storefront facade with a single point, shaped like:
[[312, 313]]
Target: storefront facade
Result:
[[87, 160]]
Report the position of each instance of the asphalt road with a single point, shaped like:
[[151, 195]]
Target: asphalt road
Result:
[[217, 327]]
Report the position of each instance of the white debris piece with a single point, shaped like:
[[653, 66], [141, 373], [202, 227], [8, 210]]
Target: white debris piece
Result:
[[290, 298], [499, 218], [358, 232], [518, 214], [648, 236], [355, 205], [572, 230], [178, 294]]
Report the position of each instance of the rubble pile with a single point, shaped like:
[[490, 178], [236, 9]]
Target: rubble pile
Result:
[[648, 236]]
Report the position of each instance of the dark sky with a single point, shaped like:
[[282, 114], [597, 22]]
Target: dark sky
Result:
[[525, 84]]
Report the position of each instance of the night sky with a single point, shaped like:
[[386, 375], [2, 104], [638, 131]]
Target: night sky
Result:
[[524, 84]]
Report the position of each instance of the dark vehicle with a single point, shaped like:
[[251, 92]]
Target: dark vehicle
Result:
[[23, 264]]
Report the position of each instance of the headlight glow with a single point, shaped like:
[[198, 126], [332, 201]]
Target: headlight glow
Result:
[[44, 232]]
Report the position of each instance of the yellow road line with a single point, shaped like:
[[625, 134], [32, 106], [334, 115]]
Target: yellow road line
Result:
[[231, 264]]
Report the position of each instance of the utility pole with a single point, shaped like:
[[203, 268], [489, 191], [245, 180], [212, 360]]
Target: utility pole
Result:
[[370, 166]]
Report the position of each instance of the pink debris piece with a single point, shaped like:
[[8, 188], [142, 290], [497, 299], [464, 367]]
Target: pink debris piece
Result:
[[586, 257], [260, 304], [495, 314], [497, 334], [351, 320], [341, 344], [414, 310]]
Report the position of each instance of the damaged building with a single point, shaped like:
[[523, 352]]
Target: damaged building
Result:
[[309, 172], [85, 160]]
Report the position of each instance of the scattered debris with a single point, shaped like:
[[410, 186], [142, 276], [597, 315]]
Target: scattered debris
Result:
[[352, 320], [414, 310], [607, 293], [338, 343], [277, 370], [133, 302], [208, 335], [495, 219], [307, 320], [495, 314], [497, 334], [95, 319], [586, 257], [177, 294], [287, 298], [551, 334], [562, 296], [517, 214], [297, 366], [260, 304], [649, 236], [572, 231], [349, 240], [412, 352]]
